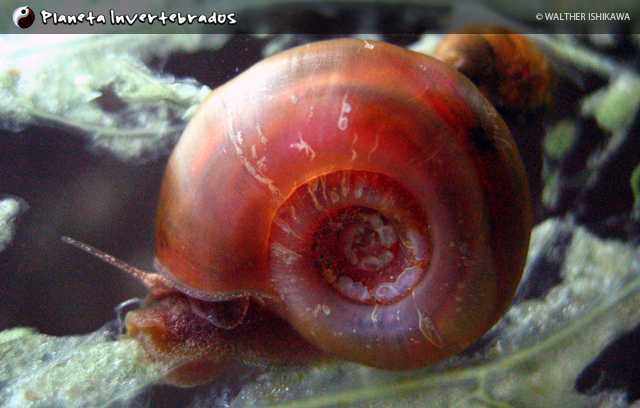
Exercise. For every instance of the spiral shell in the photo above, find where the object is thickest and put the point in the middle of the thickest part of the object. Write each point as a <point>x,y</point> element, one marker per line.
<point>371,195</point>
<point>506,66</point>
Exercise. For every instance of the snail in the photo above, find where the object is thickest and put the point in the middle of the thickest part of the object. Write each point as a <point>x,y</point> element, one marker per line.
<point>345,199</point>
<point>506,66</point>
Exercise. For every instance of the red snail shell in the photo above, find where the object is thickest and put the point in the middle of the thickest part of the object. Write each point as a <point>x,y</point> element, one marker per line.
<point>508,68</point>
<point>370,195</point>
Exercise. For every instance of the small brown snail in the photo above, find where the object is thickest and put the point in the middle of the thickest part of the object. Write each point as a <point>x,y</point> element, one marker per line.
<point>346,199</point>
<point>507,67</point>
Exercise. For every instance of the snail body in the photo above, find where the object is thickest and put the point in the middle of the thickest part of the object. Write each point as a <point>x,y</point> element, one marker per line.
<point>368,196</point>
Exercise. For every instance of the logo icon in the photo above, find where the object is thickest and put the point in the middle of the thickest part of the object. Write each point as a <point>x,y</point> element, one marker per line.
<point>23,17</point>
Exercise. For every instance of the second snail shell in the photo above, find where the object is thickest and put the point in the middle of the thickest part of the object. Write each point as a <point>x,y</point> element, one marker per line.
<point>368,194</point>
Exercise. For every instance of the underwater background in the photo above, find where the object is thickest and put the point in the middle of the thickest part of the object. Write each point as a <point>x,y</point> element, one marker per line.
<point>87,124</point>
